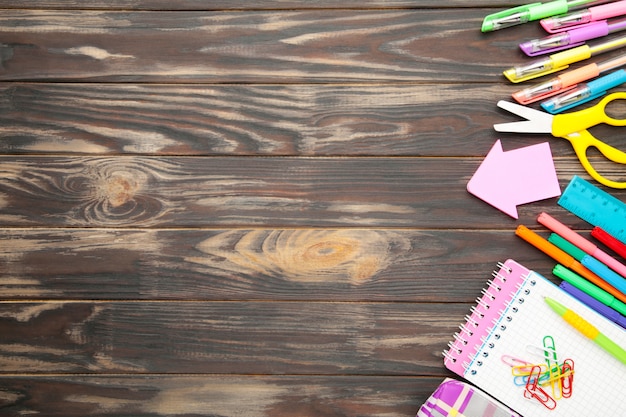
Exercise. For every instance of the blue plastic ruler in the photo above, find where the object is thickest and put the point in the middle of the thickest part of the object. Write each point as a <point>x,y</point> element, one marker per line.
<point>596,207</point>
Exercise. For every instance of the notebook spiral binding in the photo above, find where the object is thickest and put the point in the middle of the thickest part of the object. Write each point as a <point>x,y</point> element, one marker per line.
<point>484,316</point>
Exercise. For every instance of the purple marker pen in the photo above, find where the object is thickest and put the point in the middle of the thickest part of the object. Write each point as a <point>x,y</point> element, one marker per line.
<point>572,38</point>
<point>594,304</point>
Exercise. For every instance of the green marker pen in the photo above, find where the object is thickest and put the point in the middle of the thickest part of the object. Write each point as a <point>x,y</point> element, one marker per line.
<point>586,286</point>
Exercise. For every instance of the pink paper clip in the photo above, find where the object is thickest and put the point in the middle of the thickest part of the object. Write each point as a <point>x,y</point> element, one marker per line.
<point>513,361</point>
<point>567,381</point>
<point>533,390</point>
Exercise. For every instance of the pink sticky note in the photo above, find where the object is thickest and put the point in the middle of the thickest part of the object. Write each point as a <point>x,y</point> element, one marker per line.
<point>508,179</point>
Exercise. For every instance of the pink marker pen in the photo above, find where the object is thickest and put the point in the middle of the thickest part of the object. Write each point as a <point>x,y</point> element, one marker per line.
<point>592,14</point>
<point>582,243</point>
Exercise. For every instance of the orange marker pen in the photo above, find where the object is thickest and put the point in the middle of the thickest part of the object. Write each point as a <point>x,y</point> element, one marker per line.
<point>566,260</point>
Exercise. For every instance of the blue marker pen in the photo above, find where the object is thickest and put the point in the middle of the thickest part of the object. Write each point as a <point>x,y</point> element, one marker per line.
<point>604,272</point>
<point>584,92</point>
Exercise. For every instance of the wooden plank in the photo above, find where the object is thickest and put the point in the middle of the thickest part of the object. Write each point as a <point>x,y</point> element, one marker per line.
<point>244,4</point>
<point>327,120</point>
<point>255,47</point>
<point>223,395</point>
<point>274,192</point>
<point>256,264</point>
<point>227,337</point>
<point>234,119</point>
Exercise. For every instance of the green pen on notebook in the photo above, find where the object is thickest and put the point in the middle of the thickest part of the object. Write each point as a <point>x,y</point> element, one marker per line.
<point>587,329</point>
<point>589,288</point>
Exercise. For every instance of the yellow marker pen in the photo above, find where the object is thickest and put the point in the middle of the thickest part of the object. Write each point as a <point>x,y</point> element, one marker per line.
<point>561,60</point>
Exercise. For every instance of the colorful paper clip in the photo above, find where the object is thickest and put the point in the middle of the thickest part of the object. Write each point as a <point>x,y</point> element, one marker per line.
<point>567,381</point>
<point>540,351</point>
<point>535,376</point>
<point>533,390</point>
<point>521,373</point>
<point>513,361</point>
<point>554,369</point>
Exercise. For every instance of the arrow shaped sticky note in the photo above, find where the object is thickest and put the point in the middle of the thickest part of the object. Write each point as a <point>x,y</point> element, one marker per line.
<point>508,179</point>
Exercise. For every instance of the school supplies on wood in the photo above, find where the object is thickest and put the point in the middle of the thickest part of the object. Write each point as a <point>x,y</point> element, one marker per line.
<point>561,60</point>
<point>567,80</point>
<point>580,242</point>
<point>573,127</point>
<point>517,349</point>
<point>457,398</point>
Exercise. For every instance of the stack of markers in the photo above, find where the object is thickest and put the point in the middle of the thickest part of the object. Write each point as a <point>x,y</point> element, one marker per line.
<point>593,276</point>
<point>570,24</point>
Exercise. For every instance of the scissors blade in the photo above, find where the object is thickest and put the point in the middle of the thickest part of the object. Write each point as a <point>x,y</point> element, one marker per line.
<point>536,121</point>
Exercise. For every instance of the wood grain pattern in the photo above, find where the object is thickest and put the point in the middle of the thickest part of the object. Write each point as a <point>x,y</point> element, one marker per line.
<point>247,120</point>
<point>359,265</point>
<point>195,192</point>
<point>310,46</point>
<point>227,337</point>
<point>224,395</point>
<point>244,4</point>
<point>311,120</point>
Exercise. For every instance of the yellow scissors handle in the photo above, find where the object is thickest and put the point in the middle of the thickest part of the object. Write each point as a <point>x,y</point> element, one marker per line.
<point>583,140</point>
<point>568,123</point>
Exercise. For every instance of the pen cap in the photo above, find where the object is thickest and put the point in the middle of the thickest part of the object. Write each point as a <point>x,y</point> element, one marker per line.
<point>562,23</point>
<point>507,18</point>
<point>585,92</point>
<point>590,31</point>
<point>614,244</point>
<point>551,8</point>
<point>523,14</point>
<point>606,11</point>
<point>573,77</point>
<point>565,40</point>
<point>566,246</point>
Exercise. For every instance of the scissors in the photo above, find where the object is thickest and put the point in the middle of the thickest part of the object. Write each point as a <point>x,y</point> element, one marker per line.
<point>573,127</point>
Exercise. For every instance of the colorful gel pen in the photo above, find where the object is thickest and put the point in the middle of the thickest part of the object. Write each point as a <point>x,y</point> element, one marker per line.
<point>567,80</point>
<point>592,14</point>
<point>587,329</point>
<point>572,38</point>
<point>534,11</point>
<point>593,304</point>
<point>565,259</point>
<point>585,245</point>
<point>561,60</point>
<point>611,242</point>
<point>589,288</point>
<point>589,262</point>
<point>584,93</point>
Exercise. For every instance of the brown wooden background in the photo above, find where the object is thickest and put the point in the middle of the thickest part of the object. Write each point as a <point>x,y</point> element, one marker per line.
<point>247,208</point>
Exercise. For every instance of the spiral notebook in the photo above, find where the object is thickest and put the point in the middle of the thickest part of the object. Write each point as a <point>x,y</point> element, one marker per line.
<point>515,348</point>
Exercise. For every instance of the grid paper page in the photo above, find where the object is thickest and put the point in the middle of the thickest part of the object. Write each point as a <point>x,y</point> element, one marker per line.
<point>598,377</point>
